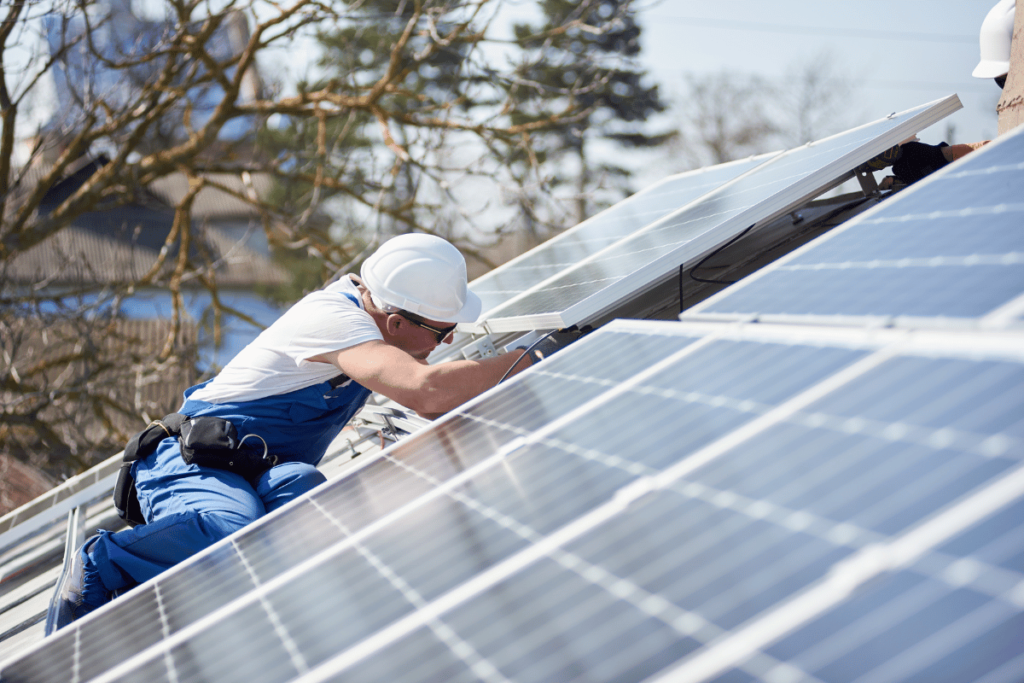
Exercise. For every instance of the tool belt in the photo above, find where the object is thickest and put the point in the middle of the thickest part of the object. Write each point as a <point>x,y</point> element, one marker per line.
<point>205,440</point>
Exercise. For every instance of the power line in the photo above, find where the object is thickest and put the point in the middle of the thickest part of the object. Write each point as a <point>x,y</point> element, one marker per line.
<point>980,86</point>
<point>821,30</point>
<point>973,85</point>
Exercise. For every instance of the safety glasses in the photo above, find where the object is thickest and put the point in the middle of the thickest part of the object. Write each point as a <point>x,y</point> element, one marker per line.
<point>440,334</point>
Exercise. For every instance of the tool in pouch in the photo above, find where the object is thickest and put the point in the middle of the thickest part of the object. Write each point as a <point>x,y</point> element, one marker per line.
<point>205,440</point>
<point>213,442</point>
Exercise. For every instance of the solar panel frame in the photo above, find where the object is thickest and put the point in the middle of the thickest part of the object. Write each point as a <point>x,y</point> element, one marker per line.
<point>664,265</point>
<point>771,284</point>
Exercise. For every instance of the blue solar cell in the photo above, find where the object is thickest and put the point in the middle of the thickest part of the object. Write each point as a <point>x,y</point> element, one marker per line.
<point>452,544</point>
<point>350,599</point>
<point>711,561</point>
<point>894,628</point>
<point>567,628</point>
<point>422,650</point>
<point>703,397</point>
<point>958,292</point>
<point>249,630</point>
<point>544,488</point>
<point>614,357</point>
<point>979,397</point>
<point>991,541</point>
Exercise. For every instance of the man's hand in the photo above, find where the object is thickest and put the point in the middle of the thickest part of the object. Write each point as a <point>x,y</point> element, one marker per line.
<point>918,160</point>
<point>551,344</point>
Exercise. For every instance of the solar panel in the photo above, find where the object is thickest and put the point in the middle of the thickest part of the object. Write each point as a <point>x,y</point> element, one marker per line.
<point>640,260</point>
<point>782,553</point>
<point>591,236</point>
<point>606,228</point>
<point>948,247</point>
<point>529,538</point>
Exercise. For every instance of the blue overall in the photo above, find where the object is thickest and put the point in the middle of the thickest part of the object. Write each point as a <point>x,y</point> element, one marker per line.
<point>190,507</point>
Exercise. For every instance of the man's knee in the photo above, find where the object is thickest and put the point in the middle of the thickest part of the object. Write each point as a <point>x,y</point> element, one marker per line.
<point>297,477</point>
<point>286,482</point>
<point>218,525</point>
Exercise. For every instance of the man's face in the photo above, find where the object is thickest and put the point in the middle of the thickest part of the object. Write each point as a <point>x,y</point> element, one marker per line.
<point>418,336</point>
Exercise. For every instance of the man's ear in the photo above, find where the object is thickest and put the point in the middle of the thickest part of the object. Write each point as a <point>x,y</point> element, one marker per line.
<point>393,323</point>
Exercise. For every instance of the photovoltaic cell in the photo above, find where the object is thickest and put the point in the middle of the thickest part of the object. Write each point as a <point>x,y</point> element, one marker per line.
<point>947,247</point>
<point>686,236</point>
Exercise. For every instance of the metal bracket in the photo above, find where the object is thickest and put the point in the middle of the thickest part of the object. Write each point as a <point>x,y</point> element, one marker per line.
<point>480,348</point>
<point>867,182</point>
<point>74,539</point>
<point>525,340</point>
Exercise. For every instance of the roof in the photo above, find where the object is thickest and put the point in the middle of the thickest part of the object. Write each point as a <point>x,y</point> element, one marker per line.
<point>20,483</point>
<point>213,203</point>
<point>121,244</point>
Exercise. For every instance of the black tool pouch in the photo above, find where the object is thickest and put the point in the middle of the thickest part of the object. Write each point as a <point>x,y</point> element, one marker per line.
<point>125,499</point>
<point>213,442</point>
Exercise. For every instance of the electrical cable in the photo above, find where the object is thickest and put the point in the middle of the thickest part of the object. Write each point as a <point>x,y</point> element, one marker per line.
<point>836,31</point>
<point>715,253</point>
<point>681,307</point>
<point>823,219</point>
<point>530,348</point>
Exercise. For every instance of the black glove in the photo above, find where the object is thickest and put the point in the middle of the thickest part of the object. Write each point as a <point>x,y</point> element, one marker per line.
<point>918,160</point>
<point>548,347</point>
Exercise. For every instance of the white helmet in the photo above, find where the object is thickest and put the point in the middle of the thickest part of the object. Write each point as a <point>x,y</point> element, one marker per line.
<point>996,34</point>
<point>424,275</point>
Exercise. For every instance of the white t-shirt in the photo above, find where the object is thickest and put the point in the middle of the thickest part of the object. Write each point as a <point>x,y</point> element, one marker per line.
<point>275,362</point>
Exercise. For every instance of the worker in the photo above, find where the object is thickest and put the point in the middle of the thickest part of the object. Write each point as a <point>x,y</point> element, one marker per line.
<point>913,160</point>
<point>283,399</point>
<point>995,39</point>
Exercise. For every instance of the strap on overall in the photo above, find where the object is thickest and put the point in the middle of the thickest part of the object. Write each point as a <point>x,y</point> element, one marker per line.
<point>142,445</point>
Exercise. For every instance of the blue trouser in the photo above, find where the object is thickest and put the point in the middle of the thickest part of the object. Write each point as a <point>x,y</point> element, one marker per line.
<point>189,507</point>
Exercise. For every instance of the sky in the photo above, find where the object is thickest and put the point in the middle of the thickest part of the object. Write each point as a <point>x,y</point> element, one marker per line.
<point>899,53</point>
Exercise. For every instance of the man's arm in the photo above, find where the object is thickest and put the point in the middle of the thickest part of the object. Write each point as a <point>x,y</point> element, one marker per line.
<point>426,389</point>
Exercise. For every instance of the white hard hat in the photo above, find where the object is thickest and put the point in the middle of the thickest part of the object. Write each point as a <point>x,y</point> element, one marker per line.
<point>424,275</point>
<point>996,34</point>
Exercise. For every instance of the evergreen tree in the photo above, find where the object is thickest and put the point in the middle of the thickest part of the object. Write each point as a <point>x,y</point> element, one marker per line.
<point>419,51</point>
<point>583,71</point>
